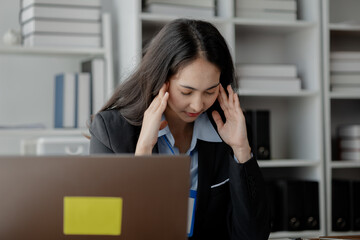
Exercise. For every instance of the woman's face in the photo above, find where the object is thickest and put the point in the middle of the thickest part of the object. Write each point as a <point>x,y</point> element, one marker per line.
<point>193,89</point>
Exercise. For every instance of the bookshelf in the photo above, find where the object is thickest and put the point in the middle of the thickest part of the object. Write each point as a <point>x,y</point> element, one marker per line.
<point>27,107</point>
<point>296,117</point>
<point>341,32</point>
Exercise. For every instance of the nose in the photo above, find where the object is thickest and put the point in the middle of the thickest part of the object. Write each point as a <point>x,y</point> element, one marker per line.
<point>197,104</point>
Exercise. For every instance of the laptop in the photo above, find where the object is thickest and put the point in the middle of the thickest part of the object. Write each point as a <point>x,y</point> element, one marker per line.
<point>94,197</point>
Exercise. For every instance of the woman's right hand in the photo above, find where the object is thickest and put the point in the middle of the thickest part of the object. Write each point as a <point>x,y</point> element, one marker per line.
<point>152,123</point>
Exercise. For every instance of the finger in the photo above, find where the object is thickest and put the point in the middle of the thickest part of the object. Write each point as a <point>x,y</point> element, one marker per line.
<point>163,102</point>
<point>162,90</point>
<point>156,102</point>
<point>222,93</point>
<point>223,98</point>
<point>231,96</point>
<point>217,119</point>
<point>237,101</point>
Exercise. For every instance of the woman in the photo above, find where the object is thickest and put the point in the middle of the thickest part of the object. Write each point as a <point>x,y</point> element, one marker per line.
<point>179,100</point>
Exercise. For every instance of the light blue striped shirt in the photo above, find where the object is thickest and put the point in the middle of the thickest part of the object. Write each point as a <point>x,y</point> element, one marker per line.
<point>203,130</point>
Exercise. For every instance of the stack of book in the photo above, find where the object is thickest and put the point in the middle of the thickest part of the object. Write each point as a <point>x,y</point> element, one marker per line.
<point>349,142</point>
<point>345,71</point>
<point>188,8</point>
<point>270,77</point>
<point>283,10</point>
<point>61,23</point>
<point>72,100</point>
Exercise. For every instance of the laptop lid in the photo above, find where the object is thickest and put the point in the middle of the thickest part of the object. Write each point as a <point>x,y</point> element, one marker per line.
<point>94,197</point>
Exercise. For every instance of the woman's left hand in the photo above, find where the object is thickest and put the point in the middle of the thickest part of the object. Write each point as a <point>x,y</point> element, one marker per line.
<point>233,131</point>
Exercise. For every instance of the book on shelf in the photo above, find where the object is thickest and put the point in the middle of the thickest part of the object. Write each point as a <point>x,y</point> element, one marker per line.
<point>350,143</point>
<point>349,131</point>
<point>345,66</point>
<point>72,100</point>
<point>60,12</point>
<point>270,84</point>
<point>348,88</point>
<point>266,14</point>
<point>191,3</point>
<point>84,99</point>
<point>277,5</point>
<point>345,79</point>
<point>345,55</point>
<point>96,68</point>
<point>87,3</point>
<point>266,70</point>
<point>65,97</point>
<point>59,40</point>
<point>180,10</point>
<point>350,155</point>
<point>58,26</point>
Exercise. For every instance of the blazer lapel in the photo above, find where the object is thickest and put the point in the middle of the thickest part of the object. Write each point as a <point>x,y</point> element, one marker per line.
<point>206,162</point>
<point>155,149</point>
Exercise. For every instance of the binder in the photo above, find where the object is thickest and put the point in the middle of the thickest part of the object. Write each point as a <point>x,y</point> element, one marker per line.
<point>292,204</point>
<point>340,205</point>
<point>310,193</point>
<point>262,134</point>
<point>275,206</point>
<point>355,205</point>
<point>258,130</point>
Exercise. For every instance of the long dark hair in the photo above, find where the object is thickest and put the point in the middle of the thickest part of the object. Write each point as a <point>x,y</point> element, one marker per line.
<point>177,44</point>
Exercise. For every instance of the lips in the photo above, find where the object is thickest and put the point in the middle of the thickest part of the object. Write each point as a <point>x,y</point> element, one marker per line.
<point>193,114</point>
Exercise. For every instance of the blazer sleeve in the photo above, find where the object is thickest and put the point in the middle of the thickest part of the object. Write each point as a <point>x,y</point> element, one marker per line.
<point>250,215</point>
<point>99,142</point>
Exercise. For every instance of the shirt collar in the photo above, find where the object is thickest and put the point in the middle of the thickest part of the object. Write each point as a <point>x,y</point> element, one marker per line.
<point>203,130</point>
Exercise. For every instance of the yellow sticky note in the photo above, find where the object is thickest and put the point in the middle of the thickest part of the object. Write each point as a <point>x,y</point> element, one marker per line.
<point>92,215</point>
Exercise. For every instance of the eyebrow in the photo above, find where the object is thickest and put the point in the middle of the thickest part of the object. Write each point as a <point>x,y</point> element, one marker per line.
<point>191,88</point>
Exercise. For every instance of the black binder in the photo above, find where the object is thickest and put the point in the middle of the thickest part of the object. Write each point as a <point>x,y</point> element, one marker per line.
<point>310,218</point>
<point>292,204</point>
<point>340,205</point>
<point>258,131</point>
<point>355,205</point>
<point>275,206</point>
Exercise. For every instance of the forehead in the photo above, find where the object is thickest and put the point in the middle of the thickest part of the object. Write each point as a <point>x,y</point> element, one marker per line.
<point>198,73</point>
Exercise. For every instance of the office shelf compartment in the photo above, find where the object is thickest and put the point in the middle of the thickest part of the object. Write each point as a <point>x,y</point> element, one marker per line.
<point>294,125</point>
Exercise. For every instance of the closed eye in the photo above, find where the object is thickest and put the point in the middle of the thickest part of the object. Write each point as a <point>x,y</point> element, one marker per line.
<point>186,93</point>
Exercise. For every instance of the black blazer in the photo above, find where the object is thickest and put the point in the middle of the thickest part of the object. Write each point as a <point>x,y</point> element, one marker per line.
<point>237,209</point>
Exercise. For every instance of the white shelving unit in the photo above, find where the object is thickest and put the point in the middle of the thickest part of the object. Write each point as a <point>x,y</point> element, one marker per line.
<point>341,32</point>
<point>43,108</point>
<point>296,117</point>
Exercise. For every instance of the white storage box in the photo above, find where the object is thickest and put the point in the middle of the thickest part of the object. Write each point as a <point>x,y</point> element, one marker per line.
<point>56,146</point>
